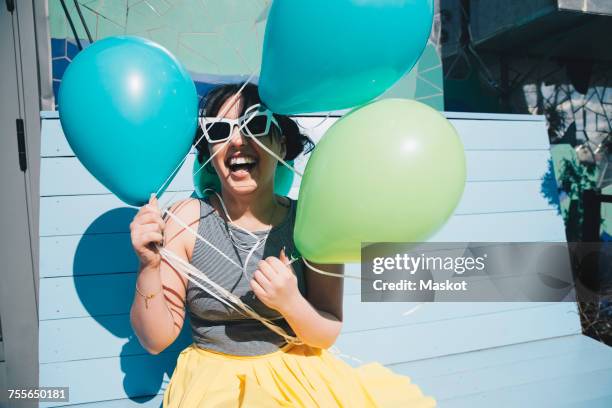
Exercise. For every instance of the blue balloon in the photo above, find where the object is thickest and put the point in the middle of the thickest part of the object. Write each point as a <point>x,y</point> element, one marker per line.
<point>204,178</point>
<point>322,55</point>
<point>283,178</point>
<point>128,109</point>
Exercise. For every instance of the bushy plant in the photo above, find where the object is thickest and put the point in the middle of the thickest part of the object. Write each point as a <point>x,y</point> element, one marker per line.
<point>574,179</point>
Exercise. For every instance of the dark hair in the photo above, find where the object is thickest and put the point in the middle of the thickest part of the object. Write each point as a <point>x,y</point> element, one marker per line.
<point>210,105</point>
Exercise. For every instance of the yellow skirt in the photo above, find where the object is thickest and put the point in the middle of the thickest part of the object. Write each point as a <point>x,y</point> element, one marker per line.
<point>294,376</point>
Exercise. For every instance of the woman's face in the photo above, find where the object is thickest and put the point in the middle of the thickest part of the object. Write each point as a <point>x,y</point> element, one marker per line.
<point>242,165</point>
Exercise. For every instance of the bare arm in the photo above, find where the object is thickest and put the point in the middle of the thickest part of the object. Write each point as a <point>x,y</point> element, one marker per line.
<point>158,321</point>
<point>317,319</point>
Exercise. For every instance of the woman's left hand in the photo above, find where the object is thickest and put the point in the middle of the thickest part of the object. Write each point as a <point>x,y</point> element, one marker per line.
<point>274,282</point>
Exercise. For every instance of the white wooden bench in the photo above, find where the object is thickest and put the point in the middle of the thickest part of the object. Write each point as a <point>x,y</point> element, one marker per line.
<point>464,354</point>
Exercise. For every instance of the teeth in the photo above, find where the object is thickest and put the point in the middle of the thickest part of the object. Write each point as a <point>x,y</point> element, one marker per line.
<point>241,160</point>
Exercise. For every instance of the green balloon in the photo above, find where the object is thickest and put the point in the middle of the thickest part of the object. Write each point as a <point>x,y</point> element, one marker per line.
<point>208,178</point>
<point>391,171</point>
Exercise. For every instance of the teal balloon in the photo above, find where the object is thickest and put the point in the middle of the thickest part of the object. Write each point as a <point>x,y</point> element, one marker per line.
<point>321,55</point>
<point>208,178</point>
<point>203,178</point>
<point>391,171</point>
<point>128,109</point>
<point>283,179</point>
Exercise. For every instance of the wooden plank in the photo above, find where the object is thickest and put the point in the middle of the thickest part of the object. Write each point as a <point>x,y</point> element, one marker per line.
<point>106,214</point>
<point>496,329</point>
<point>76,255</point>
<point>603,402</point>
<point>457,364</point>
<point>143,373</point>
<point>88,295</point>
<point>495,116</point>
<point>140,402</point>
<point>49,115</point>
<point>448,115</point>
<point>506,165</point>
<point>90,214</point>
<point>53,141</point>
<point>124,260</point>
<point>489,372</point>
<point>533,361</point>
<point>526,373</point>
<point>110,378</point>
<point>495,197</point>
<point>71,255</point>
<point>484,196</point>
<point>502,135</point>
<point>533,226</point>
<point>91,295</point>
<point>558,391</point>
<point>514,143</point>
<point>482,165</point>
<point>106,335</point>
<point>102,336</point>
<point>54,170</point>
<point>481,131</point>
<point>366,316</point>
<point>58,252</point>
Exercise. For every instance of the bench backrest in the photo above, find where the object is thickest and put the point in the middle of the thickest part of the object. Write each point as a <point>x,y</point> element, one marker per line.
<point>87,267</point>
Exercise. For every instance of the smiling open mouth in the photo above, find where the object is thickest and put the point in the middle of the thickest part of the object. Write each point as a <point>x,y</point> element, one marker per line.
<point>241,163</point>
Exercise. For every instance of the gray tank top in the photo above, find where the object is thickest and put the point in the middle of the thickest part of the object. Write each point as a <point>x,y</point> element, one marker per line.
<point>216,326</point>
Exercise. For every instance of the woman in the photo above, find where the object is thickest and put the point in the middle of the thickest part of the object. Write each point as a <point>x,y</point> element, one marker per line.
<point>236,360</point>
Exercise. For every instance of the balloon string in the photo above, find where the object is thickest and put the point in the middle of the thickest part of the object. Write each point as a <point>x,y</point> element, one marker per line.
<point>315,126</point>
<point>225,211</point>
<point>201,238</point>
<point>277,157</point>
<point>243,268</point>
<point>188,269</point>
<point>258,242</point>
<point>336,275</point>
<point>198,236</point>
<point>168,255</point>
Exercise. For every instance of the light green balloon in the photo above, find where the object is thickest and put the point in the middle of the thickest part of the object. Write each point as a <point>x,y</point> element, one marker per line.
<point>390,171</point>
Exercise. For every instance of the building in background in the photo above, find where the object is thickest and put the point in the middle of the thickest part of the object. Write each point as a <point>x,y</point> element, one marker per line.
<point>218,41</point>
<point>552,58</point>
<point>547,57</point>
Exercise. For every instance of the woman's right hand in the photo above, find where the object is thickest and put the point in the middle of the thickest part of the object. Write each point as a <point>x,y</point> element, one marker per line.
<point>146,230</point>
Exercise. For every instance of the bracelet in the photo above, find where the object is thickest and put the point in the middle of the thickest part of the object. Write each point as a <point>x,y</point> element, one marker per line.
<point>148,297</point>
